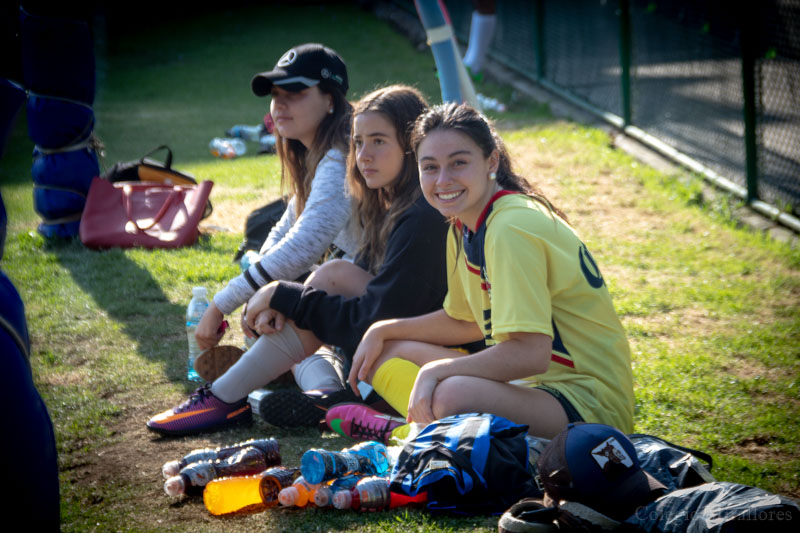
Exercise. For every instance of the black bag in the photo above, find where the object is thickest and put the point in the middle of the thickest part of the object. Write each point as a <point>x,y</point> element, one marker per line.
<point>717,507</point>
<point>258,225</point>
<point>676,467</point>
<point>469,464</point>
<point>145,169</point>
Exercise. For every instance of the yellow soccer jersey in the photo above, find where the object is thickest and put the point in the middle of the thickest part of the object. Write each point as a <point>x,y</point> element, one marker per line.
<point>526,270</point>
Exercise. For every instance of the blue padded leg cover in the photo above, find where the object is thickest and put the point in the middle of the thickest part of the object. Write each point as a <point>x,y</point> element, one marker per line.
<point>29,445</point>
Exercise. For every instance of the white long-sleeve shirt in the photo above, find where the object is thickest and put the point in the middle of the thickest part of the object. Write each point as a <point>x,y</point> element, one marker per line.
<point>297,242</point>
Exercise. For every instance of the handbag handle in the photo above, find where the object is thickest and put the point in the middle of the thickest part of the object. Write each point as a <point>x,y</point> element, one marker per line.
<point>161,212</point>
<point>167,160</point>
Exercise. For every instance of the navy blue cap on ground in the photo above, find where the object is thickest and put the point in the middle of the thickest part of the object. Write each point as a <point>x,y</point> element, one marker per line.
<point>596,465</point>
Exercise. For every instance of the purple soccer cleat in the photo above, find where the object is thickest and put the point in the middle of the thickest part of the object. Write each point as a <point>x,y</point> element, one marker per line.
<point>202,412</point>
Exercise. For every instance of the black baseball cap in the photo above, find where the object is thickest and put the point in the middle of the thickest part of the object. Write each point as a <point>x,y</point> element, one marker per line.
<point>597,465</point>
<point>304,66</point>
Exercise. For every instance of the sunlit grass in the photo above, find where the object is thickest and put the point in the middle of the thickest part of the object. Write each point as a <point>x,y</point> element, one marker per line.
<point>712,311</point>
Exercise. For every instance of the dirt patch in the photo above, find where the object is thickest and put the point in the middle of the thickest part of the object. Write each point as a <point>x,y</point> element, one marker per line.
<point>134,460</point>
<point>761,449</point>
<point>230,219</point>
<point>669,326</point>
<point>745,368</point>
<point>607,204</point>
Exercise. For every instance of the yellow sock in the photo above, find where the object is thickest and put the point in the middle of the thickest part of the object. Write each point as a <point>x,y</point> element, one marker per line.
<point>394,380</point>
<point>401,432</point>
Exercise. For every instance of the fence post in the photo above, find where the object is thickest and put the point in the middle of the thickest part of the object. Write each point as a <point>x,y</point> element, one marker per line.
<point>538,38</point>
<point>748,52</point>
<point>624,13</point>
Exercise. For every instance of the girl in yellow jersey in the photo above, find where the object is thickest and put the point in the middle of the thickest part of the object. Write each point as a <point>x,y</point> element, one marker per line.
<point>520,279</point>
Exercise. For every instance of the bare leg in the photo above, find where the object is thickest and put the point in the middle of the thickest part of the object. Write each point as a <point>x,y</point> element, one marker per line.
<point>543,414</point>
<point>464,394</point>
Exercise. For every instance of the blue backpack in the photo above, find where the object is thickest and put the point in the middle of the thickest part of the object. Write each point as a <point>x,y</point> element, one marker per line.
<point>470,464</point>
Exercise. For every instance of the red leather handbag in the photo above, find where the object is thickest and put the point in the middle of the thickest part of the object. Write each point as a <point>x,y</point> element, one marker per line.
<point>150,215</point>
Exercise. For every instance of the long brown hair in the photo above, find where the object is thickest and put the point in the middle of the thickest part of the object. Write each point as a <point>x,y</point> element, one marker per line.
<point>472,123</point>
<point>468,121</point>
<point>299,162</point>
<point>377,210</point>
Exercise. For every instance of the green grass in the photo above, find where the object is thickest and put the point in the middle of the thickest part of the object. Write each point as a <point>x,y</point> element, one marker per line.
<point>711,310</point>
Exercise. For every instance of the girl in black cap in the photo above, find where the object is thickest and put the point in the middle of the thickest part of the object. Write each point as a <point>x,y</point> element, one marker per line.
<point>312,118</point>
<point>312,121</point>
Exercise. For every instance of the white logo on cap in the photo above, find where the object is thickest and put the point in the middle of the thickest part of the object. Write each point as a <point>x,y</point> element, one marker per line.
<point>325,73</point>
<point>287,59</point>
<point>611,450</point>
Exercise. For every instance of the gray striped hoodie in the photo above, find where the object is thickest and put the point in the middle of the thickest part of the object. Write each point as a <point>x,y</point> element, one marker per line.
<point>297,242</point>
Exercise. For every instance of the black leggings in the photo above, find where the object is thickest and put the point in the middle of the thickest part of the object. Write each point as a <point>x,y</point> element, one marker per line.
<point>572,414</point>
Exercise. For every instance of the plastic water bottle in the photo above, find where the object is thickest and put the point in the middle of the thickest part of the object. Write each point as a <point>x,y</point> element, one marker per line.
<point>373,494</point>
<point>300,494</point>
<point>493,104</point>
<point>248,494</point>
<point>227,148</point>
<point>270,448</point>
<point>248,133</point>
<point>366,458</point>
<point>194,313</point>
<point>323,497</point>
<point>267,143</point>
<point>246,461</point>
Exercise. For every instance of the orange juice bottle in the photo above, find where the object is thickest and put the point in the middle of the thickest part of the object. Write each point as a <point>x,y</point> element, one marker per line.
<point>248,494</point>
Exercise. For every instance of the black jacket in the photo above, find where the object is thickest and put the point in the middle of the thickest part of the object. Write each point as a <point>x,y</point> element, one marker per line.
<point>412,281</point>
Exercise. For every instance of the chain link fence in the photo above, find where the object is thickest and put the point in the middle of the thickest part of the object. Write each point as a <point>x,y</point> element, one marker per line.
<point>778,103</point>
<point>677,69</point>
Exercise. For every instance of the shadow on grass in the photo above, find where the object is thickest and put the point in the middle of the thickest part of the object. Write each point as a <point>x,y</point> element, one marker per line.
<point>129,295</point>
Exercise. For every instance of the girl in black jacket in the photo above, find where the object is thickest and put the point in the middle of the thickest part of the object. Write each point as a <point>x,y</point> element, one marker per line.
<point>399,272</point>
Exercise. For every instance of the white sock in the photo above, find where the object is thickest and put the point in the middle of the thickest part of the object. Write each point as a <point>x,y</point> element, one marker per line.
<point>481,32</point>
<point>320,371</point>
<point>268,358</point>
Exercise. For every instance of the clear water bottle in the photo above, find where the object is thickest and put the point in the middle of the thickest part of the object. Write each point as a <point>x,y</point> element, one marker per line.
<point>227,148</point>
<point>365,458</point>
<point>489,103</point>
<point>194,313</point>
<point>248,133</point>
<point>267,143</point>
